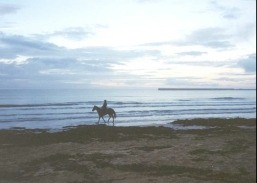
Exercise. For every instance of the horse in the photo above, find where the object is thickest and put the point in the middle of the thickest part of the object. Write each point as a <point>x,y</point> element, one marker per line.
<point>108,111</point>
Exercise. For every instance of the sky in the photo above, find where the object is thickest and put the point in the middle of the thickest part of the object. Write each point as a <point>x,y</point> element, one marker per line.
<point>70,44</point>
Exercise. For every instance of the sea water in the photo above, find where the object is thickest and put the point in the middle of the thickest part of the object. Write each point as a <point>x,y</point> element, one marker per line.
<point>56,109</point>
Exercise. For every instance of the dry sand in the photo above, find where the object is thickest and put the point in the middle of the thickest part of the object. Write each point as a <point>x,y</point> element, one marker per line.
<point>98,153</point>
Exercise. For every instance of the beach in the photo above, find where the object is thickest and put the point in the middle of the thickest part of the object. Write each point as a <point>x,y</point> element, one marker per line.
<point>222,150</point>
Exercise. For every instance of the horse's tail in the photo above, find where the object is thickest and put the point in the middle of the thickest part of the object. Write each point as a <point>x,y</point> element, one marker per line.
<point>114,114</point>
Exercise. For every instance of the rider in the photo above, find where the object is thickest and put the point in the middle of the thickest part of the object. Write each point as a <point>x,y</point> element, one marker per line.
<point>104,107</point>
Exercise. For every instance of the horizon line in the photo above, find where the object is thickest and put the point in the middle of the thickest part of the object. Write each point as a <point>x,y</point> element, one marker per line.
<point>206,88</point>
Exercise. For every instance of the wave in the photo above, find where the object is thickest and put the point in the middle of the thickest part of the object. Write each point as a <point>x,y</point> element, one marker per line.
<point>189,110</point>
<point>228,98</point>
<point>81,111</point>
<point>50,115</point>
<point>46,119</point>
<point>122,103</point>
<point>37,105</point>
<point>122,117</point>
<point>182,102</point>
<point>65,104</point>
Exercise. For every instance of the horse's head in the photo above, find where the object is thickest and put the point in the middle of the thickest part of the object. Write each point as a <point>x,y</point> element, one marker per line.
<point>94,108</point>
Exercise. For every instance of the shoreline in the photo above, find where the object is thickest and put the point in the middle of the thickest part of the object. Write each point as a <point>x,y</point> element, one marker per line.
<point>193,123</point>
<point>100,153</point>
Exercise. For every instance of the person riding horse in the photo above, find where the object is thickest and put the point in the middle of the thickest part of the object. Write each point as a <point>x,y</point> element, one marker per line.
<point>103,111</point>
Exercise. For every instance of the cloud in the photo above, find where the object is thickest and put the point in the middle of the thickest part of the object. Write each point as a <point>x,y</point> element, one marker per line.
<point>188,82</point>
<point>13,45</point>
<point>8,9</point>
<point>51,73</point>
<point>6,25</point>
<point>147,1</point>
<point>191,53</point>
<point>246,32</point>
<point>226,12</point>
<point>57,71</point>
<point>212,37</point>
<point>29,63</point>
<point>244,81</point>
<point>73,33</point>
<point>18,60</point>
<point>249,63</point>
<point>227,79</point>
<point>76,33</point>
<point>27,60</point>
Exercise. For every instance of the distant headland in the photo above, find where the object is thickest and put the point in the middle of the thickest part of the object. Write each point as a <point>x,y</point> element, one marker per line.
<point>206,89</point>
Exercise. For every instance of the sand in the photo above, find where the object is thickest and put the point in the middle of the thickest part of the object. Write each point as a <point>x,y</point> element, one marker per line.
<point>224,151</point>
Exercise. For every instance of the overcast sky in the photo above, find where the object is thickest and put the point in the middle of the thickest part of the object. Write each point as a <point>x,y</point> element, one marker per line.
<point>127,43</point>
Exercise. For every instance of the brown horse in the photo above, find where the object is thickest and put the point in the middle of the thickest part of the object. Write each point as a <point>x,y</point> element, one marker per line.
<point>108,111</point>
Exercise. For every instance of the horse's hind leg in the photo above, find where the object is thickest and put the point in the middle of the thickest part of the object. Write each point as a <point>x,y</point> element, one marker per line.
<point>109,118</point>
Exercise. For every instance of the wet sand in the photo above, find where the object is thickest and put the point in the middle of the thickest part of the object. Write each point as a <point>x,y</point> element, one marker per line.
<point>224,151</point>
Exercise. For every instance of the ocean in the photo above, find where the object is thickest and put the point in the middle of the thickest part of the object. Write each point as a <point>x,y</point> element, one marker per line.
<point>55,109</point>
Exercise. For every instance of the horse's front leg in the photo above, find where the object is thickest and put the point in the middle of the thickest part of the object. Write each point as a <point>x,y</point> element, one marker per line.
<point>103,119</point>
